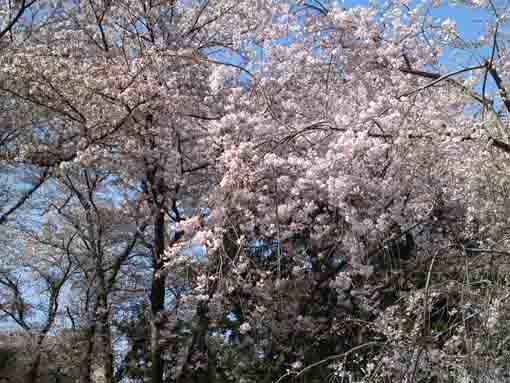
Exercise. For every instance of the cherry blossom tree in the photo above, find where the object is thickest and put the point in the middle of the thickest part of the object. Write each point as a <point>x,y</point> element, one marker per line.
<point>354,158</point>
<point>317,190</point>
<point>116,85</point>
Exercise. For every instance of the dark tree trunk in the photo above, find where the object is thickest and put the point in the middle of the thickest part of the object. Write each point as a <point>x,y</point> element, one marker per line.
<point>86,360</point>
<point>33,372</point>
<point>157,298</point>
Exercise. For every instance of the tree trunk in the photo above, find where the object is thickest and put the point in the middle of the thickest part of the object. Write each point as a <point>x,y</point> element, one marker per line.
<point>86,360</point>
<point>198,350</point>
<point>103,372</point>
<point>33,372</point>
<point>157,298</point>
<point>104,364</point>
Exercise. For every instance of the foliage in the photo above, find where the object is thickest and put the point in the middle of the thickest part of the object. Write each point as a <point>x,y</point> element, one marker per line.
<point>252,191</point>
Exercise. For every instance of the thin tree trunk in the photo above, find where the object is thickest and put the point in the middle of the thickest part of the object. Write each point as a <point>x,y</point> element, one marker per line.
<point>103,372</point>
<point>199,347</point>
<point>157,298</point>
<point>86,361</point>
<point>32,376</point>
<point>103,332</point>
<point>104,369</point>
<point>33,372</point>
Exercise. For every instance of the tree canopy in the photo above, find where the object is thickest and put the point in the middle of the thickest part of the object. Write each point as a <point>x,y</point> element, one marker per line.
<point>253,191</point>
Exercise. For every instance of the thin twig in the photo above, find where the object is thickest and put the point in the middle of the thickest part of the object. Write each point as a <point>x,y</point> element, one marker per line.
<point>442,78</point>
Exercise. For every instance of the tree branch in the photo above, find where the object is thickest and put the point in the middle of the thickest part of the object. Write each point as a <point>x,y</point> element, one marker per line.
<point>24,198</point>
